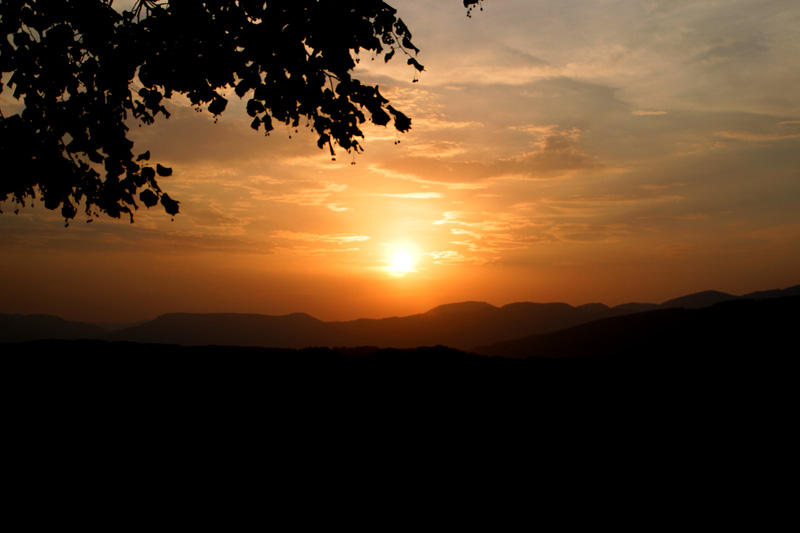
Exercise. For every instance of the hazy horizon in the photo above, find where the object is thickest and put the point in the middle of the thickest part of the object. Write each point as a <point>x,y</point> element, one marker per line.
<point>338,318</point>
<point>578,152</point>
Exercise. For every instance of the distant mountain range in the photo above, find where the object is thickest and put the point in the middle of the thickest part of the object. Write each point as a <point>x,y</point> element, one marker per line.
<point>20,328</point>
<point>733,330</point>
<point>514,330</point>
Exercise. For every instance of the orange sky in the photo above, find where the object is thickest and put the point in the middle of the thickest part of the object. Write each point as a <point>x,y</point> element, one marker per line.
<point>572,151</point>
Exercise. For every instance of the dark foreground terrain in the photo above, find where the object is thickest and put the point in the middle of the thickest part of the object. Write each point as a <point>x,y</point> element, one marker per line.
<point>656,375</point>
<point>151,417</point>
<point>143,373</point>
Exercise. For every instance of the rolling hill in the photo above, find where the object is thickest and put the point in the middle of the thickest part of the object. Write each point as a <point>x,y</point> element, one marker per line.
<point>463,325</point>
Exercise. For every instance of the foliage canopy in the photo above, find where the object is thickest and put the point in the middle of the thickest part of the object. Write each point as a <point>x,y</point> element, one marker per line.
<point>81,69</point>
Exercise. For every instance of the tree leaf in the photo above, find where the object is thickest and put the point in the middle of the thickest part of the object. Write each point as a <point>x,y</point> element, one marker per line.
<point>217,106</point>
<point>407,44</point>
<point>170,205</point>
<point>412,61</point>
<point>401,122</point>
<point>148,198</point>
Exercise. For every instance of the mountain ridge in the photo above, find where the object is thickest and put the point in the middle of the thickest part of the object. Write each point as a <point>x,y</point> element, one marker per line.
<point>461,325</point>
<point>732,328</point>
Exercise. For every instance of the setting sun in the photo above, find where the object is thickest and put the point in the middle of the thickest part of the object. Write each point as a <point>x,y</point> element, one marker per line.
<point>403,261</point>
<point>400,262</point>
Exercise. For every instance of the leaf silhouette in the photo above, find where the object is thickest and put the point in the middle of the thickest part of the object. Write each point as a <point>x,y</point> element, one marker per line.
<point>73,67</point>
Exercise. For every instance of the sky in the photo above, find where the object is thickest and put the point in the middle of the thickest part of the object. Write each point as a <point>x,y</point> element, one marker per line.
<point>561,150</point>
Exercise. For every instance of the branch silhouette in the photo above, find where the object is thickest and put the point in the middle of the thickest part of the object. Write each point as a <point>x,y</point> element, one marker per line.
<point>81,69</point>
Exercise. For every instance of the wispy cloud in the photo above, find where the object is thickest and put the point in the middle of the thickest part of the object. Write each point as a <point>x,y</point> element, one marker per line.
<point>437,149</point>
<point>311,196</point>
<point>415,173</point>
<point>335,238</point>
<point>552,153</point>
<point>417,195</point>
<point>451,257</point>
<point>756,137</point>
<point>661,186</point>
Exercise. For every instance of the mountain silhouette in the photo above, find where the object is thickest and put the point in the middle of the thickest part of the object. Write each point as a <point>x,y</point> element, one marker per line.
<point>635,307</point>
<point>226,329</point>
<point>461,308</point>
<point>22,328</point>
<point>463,325</point>
<point>702,299</point>
<point>726,330</point>
<point>774,293</point>
<point>699,300</point>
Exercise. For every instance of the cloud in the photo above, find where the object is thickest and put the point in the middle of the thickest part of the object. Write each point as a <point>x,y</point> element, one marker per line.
<point>311,196</point>
<point>611,200</point>
<point>646,113</point>
<point>316,244</point>
<point>519,223</point>
<point>756,137</point>
<point>556,153</point>
<point>214,217</point>
<point>438,123</point>
<point>731,55</point>
<point>309,251</point>
<point>590,232</point>
<point>492,62</point>
<point>493,222</point>
<point>152,233</point>
<point>418,195</point>
<point>266,180</point>
<point>450,257</point>
<point>488,235</point>
<point>660,186</point>
<point>335,238</point>
<point>693,216</point>
<point>437,149</point>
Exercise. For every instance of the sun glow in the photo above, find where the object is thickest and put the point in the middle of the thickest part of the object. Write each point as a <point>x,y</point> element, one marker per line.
<point>400,262</point>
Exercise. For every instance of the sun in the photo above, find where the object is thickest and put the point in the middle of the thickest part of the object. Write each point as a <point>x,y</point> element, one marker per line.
<point>400,262</point>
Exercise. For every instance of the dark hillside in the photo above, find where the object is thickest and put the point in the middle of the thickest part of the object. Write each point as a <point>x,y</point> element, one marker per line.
<point>21,328</point>
<point>459,325</point>
<point>226,329</point>
<point>734,329</point>
<point>699,300</point>
<point>462,325</point>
